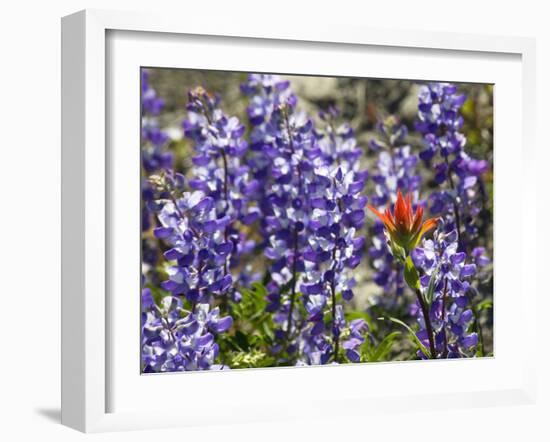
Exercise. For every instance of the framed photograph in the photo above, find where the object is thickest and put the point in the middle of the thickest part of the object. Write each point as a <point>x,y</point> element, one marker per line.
<point>289,223</point>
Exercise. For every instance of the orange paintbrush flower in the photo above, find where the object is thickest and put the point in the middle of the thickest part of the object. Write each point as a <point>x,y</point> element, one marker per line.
<point>404,228</point>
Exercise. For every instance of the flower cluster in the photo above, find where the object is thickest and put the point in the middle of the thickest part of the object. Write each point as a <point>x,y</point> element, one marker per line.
<point>200,226</point>
<point>221,172</point>
<point>334,248</point>
<point>266,95</point>
<point>174,339</point>
<point>281,147</point>
<point>438,273</point>
<point>447,273</point>
<point>312,210</point>
<point>317,348</point>
<point>287,213</point>
<point>337,142</point>
<point>463,192</point>
<point>199,247</point>
<point>459,199</point>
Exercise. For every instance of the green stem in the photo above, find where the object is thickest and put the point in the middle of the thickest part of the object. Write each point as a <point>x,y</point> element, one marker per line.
<point>445,349</point>
<point>293,291</point>
<point>477,324</point>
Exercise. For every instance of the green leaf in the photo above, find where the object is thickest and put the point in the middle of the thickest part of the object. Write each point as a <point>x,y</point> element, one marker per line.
<point>253,359</point>
<point>411,274</point>
<point>398,252</point>
<point>484,305</point>
<point>259,289</point>
<point>384,347</point>
<point>241,340</point>
<point>268,331</point>
<point>431,287</point>
<point>413,336</point>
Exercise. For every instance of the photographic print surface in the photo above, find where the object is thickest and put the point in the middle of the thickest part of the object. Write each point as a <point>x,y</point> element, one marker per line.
<point>307,220</point>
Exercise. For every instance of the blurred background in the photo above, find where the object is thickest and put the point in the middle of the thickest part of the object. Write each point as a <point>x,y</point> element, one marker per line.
<point>362,101</point>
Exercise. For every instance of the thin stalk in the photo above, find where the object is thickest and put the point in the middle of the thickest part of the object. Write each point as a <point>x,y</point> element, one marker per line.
<point>429,330</point>
<point>335,337</point>
<point>226,199</point>
<point>293,290</point>
<point>199,281</point>
<point>445,349</point>
<point>224,302</point>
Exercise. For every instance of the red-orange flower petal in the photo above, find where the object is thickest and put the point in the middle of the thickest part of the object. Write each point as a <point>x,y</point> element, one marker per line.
<point>400,212</point>
<point>405,227</point>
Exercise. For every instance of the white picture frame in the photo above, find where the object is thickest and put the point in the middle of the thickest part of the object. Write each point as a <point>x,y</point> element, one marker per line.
<point>87,167</point>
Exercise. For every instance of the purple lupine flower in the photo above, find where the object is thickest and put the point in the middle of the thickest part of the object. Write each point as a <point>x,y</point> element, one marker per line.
<point>449,272</point>
<point>288,205</point>
<point>395,169</point>
<point>334,248</point>
<point>317,348</point>
<point>283,149</point>
<point>151,103</point>
<point>314,344</point>
<point>154,158</point>
<point>174,339</point>
<point>221,172</point>
<point>298,166</point>
<point>461,197</point>
<point>337,142</point>
<point>266,93</point>
<point>199,247</point>
<point>351,345</point>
